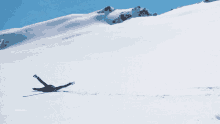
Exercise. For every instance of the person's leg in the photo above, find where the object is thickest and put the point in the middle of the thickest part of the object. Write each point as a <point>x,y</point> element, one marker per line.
<point>38,78</point>
<point>38,89</point>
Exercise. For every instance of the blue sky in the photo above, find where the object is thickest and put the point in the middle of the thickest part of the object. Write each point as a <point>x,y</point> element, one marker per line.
<point>19,13</point>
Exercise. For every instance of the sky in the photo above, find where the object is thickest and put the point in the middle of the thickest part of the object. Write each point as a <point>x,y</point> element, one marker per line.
<point>19,13</point>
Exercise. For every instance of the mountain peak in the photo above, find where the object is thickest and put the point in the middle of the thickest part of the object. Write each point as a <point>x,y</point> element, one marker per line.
<point>106,9</point>
<point>113,16</point>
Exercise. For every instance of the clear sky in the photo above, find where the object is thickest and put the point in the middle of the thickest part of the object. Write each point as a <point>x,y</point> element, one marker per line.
<point>19,13</point>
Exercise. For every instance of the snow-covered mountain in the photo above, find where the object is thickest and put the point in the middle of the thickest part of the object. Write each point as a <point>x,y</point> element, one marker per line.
<point>47,28</point>
<point>71,22</point>
<point>150,69</point>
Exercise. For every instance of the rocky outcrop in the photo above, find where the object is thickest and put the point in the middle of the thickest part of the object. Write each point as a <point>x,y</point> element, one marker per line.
<point>209,0</point>
<point>123,16</point>
<point>107,9</point>
<point>144,12</point>
<point>135,12</point>
<point>138,11</point>
<point>2,44</point>
<point>7,40</point>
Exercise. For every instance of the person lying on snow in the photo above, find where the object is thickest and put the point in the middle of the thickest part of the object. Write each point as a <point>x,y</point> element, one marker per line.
<point>49,88</point>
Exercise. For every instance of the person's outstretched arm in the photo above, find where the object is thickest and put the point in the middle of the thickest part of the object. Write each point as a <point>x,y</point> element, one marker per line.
<point>38,78</point>
<point>57,88</point>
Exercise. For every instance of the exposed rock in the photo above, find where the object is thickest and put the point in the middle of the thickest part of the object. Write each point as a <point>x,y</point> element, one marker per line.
<point>144,12</point>
<point>6,40</point>
<point>135,12</point>
<point>117,20</point>
<point>2,44</point>
<point>107,9</point>
<point>125,16</point>
<point>209,0</point>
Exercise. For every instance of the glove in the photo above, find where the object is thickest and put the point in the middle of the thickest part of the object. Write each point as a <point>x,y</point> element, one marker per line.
<point>35,76</point>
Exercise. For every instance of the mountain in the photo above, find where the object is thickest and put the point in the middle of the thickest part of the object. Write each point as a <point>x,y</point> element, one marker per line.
<point>150,69</point>
<point>47,28</point>
<point>63,24</point>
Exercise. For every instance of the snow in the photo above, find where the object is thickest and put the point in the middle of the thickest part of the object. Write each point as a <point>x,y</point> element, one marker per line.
<point>155,70</point>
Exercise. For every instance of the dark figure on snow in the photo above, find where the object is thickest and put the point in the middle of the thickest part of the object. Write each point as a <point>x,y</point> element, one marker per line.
<point>49,88</point>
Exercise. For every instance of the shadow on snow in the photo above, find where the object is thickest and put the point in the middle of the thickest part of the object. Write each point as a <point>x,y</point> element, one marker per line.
<point>42,93</point>
<point>79,93</point>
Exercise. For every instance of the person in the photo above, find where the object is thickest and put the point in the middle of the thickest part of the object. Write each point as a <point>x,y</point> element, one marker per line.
<point>49,88</point>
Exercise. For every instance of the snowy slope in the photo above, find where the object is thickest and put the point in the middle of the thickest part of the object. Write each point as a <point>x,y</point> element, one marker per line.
<point>48,28</point>
<point>158,69</point>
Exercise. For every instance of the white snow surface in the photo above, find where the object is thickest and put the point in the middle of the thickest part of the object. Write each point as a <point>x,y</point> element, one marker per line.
<point>147,70</point>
